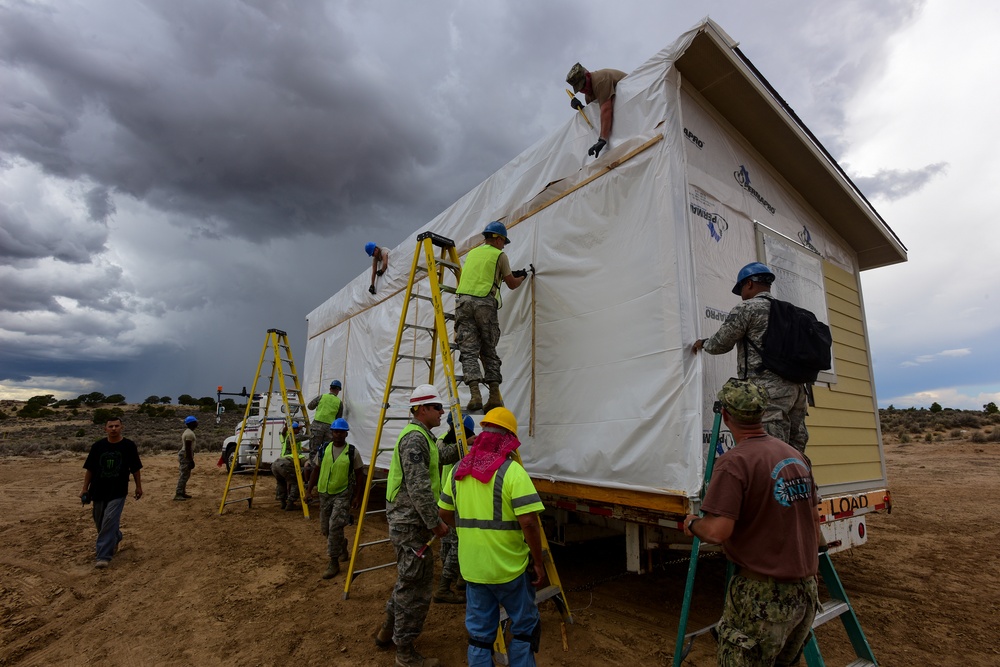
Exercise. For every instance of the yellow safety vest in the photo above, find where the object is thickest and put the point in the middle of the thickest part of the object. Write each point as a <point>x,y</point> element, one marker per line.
<point>395,480</point>
<point>479,271</point>
<point>327,409</point>
<point>334,474</point>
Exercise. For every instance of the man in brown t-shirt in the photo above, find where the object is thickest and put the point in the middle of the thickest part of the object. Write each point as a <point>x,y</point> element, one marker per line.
<point>599,85</point>
<point>761,505</point>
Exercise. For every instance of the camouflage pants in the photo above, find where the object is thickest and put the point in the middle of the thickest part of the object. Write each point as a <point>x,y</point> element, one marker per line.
<point>319,432</point>
<point>334,516</point>
<point>478,332</point>
<point>184,467</point>
<point>411,597</point>
<point>285,484</point>
<point>785,416</point>
<point>449,556</point>
<point>765,622</point>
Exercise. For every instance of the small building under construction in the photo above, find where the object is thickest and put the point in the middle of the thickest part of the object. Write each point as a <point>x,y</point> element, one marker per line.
<point>707,169</point>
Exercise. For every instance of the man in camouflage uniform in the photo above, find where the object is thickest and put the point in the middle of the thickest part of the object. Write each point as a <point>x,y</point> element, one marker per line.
<point>286,485</point>
<point>450,572</point>
<point>328,408</point>
<point>412,490</point>
<point>785,416</point>
<point>185,457</point>
<point>761,506</point>
<point>599,86</point>
<point>477,327</point>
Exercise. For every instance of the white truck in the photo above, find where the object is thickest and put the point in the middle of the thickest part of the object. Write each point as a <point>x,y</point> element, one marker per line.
<point>260,433</point>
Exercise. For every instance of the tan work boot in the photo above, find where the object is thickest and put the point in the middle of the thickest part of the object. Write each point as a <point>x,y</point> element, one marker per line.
<point>495,400</point>
<point>476,402</point>
<point>407,656</point>
<point>332,570</point>
<point>383,636</point>
<point>445,595</point>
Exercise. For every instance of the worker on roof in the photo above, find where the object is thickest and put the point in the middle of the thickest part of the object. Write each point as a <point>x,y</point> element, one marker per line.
<point>450,574</point>
<point>336,479</point>
<point>785,417</point>
<point>761,506</point>
<point>412,490</point>
<point>477,327</point>
<point>286,485</point>
<point>601,86</point>
<point>328,407</point>
<point>380,261</point>
<point>493,504</point>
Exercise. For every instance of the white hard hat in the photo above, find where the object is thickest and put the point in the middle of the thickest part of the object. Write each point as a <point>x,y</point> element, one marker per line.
<point>424,394</point>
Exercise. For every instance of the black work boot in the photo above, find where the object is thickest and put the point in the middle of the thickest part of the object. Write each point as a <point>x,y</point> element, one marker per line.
<point>383,636</point>
<point>407,656</point>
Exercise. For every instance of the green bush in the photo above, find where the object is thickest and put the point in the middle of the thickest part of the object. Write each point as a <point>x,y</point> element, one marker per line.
<point>978,437</point>
<point>80,433</point>
<point>991,408</point>
<point>151,399</point>
<point>117,399</point>
<point>956,433</point>
<point>994,436</point>
<point>102,415</point>
<point>165,400</point>
<point>904,437</point>
<point>928,437</point>
<point>35,407</point>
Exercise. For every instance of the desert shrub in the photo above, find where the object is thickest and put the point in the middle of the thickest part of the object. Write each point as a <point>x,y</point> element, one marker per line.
<point>80,433</point>
<point>187,399</point>
<point>935,407</point>
<point>165,400</point>
<point>928,437</point>
<point>151,399</point>
<point>955,433</point>
<point>117,399</point>
<point>207,401</point>
<point>904,436</point>
<point>36,407</point>
<point>991,408</point>
<point>916,429</point>
<point>978,436</point>
<point>994,436</point>
<point>93,398</point>
<point>3,415</point>
<point>101,415</point>
<point>157,411</point>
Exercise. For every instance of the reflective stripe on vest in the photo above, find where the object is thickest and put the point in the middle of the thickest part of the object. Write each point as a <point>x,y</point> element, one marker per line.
<point>334,474</point>
<point>395,479</point>
<point>479,271</point>
<point>327,409</point>
<point>497,522</point>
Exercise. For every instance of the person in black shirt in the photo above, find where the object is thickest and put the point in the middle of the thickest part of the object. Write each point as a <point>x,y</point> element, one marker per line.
<point>105,483</point>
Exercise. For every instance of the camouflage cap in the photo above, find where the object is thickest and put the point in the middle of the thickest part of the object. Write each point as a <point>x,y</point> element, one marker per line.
<point>744,400</point>
<point>577,77</point>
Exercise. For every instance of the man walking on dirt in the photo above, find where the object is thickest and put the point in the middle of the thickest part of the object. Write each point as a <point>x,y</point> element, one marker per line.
<point>185,457</point>
<point>105,483</point>
<point>328,408</point>
<point>599,85</point>
<point>286,485</point>
<point>477,327</point>
<point>761,506</point>
<point>412,490</point>
<point>785,417</point>
<point>493,504</point>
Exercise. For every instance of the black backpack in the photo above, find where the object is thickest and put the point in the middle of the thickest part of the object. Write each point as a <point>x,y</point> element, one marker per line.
<point>796,346</point>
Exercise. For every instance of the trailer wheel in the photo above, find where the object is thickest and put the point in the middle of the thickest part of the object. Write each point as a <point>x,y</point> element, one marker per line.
<point>228,456</point>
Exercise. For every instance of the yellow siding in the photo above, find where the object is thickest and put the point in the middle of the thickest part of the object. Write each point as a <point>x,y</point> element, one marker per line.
<point>843,435</point>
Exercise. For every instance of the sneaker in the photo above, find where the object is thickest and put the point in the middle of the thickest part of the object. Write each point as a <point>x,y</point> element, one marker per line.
<point>102,564</point>
<point>181,496</point>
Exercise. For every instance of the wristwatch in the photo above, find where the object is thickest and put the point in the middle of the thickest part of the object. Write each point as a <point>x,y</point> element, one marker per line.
<point>690,524</point>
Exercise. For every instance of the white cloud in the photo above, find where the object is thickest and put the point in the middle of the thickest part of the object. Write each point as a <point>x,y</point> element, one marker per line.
<point>960,398</point>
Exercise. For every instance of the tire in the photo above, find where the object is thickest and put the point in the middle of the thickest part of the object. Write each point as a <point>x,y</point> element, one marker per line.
<point>229,454</point>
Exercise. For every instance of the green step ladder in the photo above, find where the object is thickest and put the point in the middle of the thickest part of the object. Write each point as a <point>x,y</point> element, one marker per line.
<point>837,607</point>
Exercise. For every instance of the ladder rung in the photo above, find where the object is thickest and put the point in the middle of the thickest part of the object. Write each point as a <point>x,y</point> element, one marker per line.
<point>375,567</point>
<point>831,609</point>
<point>861,662</point>
<point>414,295</point>
<point>237,488</point>
<point>414,357</point>
<point>700,631</point>
<point>374,512</point>
<point>449,289</point>
<point>450,265</point>
<point>401,387</point>
<point>418,327</point>
<point>547,593</point>
<point>373,543</point>
<point>238,500</point>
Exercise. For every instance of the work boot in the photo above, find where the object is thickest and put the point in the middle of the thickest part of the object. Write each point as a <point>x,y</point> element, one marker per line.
<point>383,636</point>
<point>407,656</point>
<point>179,497</point>
<point>476,402</point>
<point>283,503</point>
<point>460,584</point>
<point>290,506</point>
<point>445,595</point>
<point>332,570</point>
<point>495,400</point>
<point>344,557</point>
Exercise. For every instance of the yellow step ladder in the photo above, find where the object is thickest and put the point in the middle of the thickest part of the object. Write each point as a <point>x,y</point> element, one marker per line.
<point>277,365</point>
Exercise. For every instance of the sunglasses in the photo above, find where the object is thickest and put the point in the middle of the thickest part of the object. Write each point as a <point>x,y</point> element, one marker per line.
<point>436,406</point>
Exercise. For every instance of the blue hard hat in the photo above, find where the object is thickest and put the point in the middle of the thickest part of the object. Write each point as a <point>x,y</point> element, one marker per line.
<point>748,271</point>
<point>470,423</point>
<point>370,248</point>
<point>295,425</point>
<point>498,228</point>
<point>191,420</point>
<point>336,384</point>
<point>340,425</point>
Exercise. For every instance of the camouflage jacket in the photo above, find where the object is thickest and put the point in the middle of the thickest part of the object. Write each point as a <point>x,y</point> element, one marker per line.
<point>748,319</point>
<point>415,503</point>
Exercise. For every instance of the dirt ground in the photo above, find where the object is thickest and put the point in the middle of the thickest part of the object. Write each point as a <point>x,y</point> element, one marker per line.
<point>192,587</point>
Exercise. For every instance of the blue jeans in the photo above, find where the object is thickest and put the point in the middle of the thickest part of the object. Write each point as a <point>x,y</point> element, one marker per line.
<point>482,617</point>
<point>107,518</point>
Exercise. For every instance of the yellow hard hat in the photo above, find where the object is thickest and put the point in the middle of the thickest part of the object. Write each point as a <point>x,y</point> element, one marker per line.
<point>501,417</point>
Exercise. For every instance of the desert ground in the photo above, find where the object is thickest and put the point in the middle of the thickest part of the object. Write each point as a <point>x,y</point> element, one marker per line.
<point>193,587</point>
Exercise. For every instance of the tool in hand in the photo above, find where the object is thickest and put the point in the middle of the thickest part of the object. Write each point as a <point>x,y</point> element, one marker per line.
<point>579,108</point>
<point>422,551</point>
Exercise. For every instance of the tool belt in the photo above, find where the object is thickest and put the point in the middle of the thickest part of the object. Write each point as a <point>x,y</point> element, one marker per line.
<point>747,573</point>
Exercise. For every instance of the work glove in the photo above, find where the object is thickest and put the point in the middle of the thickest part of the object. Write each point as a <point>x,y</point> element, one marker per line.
<point>520,273</point>
<point>380,272</point>
<point>372,289</point>
<point>596,149</point>
<point>576,104</point>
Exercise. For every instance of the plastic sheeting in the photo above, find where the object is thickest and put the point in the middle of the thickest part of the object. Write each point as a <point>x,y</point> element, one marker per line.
<point>626,281</point>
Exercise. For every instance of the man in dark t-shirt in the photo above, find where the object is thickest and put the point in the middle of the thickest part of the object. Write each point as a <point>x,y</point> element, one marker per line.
<point>105,483</point>
<point>761,505</point>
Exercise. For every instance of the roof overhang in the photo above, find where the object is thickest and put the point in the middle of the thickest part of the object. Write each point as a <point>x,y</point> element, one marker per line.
<point>726,79</point>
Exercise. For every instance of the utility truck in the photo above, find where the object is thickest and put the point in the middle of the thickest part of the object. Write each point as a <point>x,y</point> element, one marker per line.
<point>636,251</point>
<point>261,433</point>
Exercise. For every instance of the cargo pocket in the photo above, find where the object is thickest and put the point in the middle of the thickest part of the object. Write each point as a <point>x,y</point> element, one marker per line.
<point>736,647</point>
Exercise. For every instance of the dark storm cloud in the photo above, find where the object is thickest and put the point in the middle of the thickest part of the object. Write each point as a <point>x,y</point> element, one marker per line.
<point>30,235</point>
<point>100,205</point>
<point>99,290</point>
<point>255,120</point>
<point>895,184</point>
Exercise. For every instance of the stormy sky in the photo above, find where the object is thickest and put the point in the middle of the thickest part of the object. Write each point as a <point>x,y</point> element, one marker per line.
<point>178,176</point>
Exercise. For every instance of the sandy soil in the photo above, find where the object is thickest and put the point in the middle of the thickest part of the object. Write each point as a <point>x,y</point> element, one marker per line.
<point>191,587</point>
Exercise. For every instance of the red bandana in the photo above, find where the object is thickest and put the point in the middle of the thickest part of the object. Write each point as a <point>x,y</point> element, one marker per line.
<point>488,452</point>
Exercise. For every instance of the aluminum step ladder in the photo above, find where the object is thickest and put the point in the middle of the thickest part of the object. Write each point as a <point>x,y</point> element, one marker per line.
<point>279,365</point>
<point>422,337</point>
<point>837,607</point>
